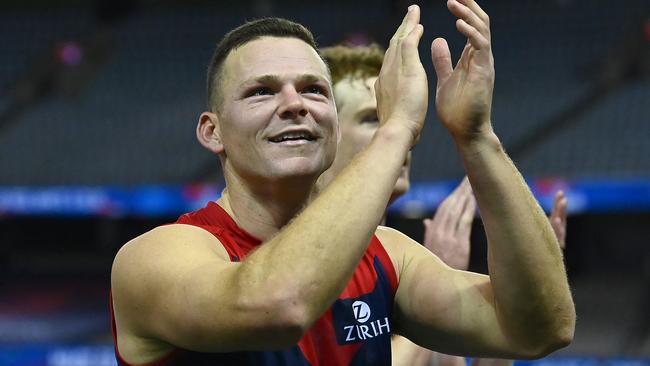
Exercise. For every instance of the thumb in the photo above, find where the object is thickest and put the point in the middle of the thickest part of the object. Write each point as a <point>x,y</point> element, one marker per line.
<point>441,58</point>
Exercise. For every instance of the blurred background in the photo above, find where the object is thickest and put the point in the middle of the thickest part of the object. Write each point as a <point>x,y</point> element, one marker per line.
<point>99,101</point>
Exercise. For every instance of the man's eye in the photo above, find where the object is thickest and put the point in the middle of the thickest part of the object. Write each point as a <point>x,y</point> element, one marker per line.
<point>371,118</point>
<point>260,91</point>
<point>315,89</point>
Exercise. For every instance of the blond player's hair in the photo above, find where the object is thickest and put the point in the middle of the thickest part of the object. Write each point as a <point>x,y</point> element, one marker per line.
<point>355,62</point>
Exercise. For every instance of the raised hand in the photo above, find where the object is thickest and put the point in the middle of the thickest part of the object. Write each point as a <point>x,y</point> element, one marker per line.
<point>464,94</point>
<point>558,218</point>
<point>402,89</point>
<point>447,234</point>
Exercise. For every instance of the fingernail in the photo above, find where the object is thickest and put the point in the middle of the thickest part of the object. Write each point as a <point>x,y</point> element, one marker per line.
<point>410,8</point>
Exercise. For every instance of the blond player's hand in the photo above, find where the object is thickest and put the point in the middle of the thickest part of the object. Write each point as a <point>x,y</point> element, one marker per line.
<point>402,89</point>
<point>464,93</point>
<point>447,234</point>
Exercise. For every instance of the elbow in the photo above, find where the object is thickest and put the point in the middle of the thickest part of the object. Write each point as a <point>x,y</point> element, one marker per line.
<point>559,337</point>
<point>566,331</point>
<point>555,342</point>
<point>281,321</point>
<point>563,330</point>
<point>291,322</point>
<point>563,334</point>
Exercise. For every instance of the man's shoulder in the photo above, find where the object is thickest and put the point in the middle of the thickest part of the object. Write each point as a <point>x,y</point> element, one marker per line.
<point>175,236</point>
<point>392,239</point>
<point>401,249</point>
<point>149,270</point>
<point>393,243</point>
<point>167,243</point>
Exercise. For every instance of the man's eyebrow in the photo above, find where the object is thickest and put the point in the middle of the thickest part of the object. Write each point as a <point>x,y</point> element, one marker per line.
<point>312,78</point>
<point>275,79</point>
<point>366,112</point>
<point>264,79</point>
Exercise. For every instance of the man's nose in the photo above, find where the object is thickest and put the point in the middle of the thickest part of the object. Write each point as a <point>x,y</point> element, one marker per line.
<point>292,105</point>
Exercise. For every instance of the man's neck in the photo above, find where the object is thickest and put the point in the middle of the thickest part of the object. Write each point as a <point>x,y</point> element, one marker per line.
<point>263,209</point>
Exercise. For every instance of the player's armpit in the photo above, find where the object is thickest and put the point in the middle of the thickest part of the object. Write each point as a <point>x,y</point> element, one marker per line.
<point>175,285</point>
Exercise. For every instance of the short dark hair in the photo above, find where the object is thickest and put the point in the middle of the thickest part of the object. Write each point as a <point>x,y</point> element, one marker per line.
<point>247,32</point>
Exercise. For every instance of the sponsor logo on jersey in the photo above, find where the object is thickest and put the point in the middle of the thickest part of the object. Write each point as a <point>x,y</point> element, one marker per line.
<point>365,318</point>
<point>361,311</point>
<point>363,327</point>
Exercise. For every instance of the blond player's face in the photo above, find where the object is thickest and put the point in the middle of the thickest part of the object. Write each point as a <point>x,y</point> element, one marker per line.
<point>278,118</point>
<point>358,122</point>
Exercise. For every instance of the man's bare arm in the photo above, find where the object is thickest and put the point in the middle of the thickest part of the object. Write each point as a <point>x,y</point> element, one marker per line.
<point>447,235</point>
<point>532,296</point>
<point>527,291</point>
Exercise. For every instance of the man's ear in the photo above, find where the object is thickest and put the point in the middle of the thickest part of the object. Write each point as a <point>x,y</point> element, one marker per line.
<point>208,132</point>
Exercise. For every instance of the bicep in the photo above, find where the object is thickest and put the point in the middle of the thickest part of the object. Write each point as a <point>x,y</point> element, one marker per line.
<point>444,309</point>
<point>176,284</point>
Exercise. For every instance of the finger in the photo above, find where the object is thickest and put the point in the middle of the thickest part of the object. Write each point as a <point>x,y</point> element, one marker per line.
<point>409,22</point>
<point>562,209</point>
<point>556,227</point>
<point>389,56</point>
<point>470,17</point>
<point>454,209</point>
<point>467,202</point>
<point>559,217</point>
<point>478,40</point>
<point>473,5</point>
<point>466,193</point>
<point>441,58</point>
<point>559,228</point>
<point>400,29</point>
<point>562,222</point>
<point>465,186</point>
<point>559,206</point>
<point>412,19</point>
<point>472,206</point>
<point>462,203</point>
<point>410,53</point>
<point>465,224</point>
<point>442,215</point>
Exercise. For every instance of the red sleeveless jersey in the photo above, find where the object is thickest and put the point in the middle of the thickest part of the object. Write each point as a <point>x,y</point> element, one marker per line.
<point>355,330</point>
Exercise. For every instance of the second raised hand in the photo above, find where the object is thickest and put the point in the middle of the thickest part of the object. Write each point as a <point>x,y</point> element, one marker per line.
<point>402,89</point>
<point>464,94</point>
<point>447,234</point>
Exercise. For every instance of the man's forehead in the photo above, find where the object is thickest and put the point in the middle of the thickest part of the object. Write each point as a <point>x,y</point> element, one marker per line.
<point>355,93</point>
<point>360,85</point>
<point>273,57</point>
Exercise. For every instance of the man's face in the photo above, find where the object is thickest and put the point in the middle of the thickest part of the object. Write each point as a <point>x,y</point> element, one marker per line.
<point>358,122</point>
<point>277,118</point>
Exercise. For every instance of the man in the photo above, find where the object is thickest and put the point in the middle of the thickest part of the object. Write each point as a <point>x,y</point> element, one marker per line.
<point>271,275</point>
<point>354,70</point>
